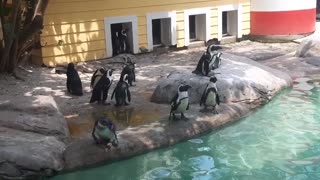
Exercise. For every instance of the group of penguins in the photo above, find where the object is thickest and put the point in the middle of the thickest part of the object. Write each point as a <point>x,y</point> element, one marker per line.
<point>104,130</point>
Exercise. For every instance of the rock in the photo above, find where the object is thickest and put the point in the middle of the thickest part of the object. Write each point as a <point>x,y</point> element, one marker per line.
<point>309,48</point>
<point>240,79</point>
<point>25,154</point>
<point>38,114</point>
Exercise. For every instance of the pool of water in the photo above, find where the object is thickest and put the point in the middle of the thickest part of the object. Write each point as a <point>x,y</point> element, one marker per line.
<point>279,141</point>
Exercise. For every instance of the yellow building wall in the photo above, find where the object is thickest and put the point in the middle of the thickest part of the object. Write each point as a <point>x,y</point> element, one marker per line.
<point>74,29</point>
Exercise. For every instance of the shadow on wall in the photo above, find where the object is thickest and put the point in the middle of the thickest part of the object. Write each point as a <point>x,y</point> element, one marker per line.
<point>74,42</point>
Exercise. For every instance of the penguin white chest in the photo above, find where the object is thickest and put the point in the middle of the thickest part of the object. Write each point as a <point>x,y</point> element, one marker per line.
<point>183,105</point>
<point>211,99</point>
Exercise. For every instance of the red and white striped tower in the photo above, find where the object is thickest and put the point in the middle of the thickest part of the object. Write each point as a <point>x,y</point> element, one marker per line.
<point>282,17</point>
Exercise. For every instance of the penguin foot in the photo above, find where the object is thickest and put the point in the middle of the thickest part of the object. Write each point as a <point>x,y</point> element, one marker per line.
<point>106,103</point>
<point>184,117</point>
<point>215,112</point>
<point>126,104</point>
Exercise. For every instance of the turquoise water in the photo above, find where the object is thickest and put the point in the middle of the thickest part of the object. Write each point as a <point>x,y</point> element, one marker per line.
<point>279,141</point>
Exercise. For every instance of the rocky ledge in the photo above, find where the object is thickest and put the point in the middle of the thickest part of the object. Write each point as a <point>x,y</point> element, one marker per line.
<point>243,85</point>
<point>33,137</point>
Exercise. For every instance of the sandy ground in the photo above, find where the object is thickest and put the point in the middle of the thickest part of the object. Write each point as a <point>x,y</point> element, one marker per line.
<point>81,115</point>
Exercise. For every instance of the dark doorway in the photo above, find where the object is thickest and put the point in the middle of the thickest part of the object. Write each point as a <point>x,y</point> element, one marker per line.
<point>225,23</point>
<point>156,31</point>
<point>118,39</point>
<point>192,27</point>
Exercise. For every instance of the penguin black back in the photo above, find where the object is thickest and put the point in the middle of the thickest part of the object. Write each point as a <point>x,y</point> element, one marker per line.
<point>101,85</point>
<point>129,69</point>
<point>180,102</point>
<point>210,96</point>
<point>74,84</point>
<point>121,92</point>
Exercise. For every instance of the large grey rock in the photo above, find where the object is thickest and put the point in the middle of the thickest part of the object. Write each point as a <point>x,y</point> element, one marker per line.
<point>241,79</point>
<point>309,48</point>
<point>38,114</point>
<point>26,154</point>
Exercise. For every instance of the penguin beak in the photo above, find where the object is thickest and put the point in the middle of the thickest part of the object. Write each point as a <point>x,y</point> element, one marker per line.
<point>188,87</point>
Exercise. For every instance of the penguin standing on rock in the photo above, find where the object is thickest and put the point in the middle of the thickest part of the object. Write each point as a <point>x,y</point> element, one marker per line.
<point>216,61</point>
<point>74,84</point>
<point>101,82</point>
<point>210,96</point>
<point>96,77</point>
<point>104,132</point>
<point>204,64</point>
<point>122,92</point>
<point>129,70</point>
<point>180,102</point>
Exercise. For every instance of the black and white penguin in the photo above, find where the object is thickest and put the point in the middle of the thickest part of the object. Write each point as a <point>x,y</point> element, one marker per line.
<point>96,77</point>
<point>129,69</point>
<point>180,102</point>
<point>210,96</point>
<point>104,132</point>
<point>101,82</point>
<point>203,66</point>
<point>122,92</point>
<point>124,42</point>
<point>74,84</point>
<point>115,44</point>
<point>216,61</point>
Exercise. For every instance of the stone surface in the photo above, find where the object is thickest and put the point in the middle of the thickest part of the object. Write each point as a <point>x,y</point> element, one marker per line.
<point>38,114</point>
<point>309,48</point>
<point>26,154</point>
<point>240,79</point>
<point>236,83</point>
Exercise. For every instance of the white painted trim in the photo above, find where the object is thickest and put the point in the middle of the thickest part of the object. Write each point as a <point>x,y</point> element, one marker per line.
<point>121,19</point>
<point>282,5</point>
<point>231,7</point>
<point>160,15</point>
<point>196,11</point>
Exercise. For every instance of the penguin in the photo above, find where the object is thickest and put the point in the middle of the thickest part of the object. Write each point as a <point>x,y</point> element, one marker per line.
<point>104,132</point>
<point>124,42</point>
<point>180,102</point>
<point>96,77</point>
<point>210,96</point>
<point>101,84</point>
<point>216,61</point>
<point>74,84</point>
<point>129,69</point>
<point>115,44</point>
<point>203,66</point>
<point>122,92</point>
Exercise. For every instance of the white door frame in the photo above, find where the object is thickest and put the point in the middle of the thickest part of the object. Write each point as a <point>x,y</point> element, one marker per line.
<point>196,11</point>
<point>230,7</point>
<point>160,15</point>
<point>121,19</point>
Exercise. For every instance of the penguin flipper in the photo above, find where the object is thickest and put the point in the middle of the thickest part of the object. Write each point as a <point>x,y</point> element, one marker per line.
<point>188,106</point>
<point>174,99</point>
<point>93,132</point>
<point>203,97</point>
<point>93,78</point>
<point>217,96</point>
<point>128,93</point>
<point>114,90</point>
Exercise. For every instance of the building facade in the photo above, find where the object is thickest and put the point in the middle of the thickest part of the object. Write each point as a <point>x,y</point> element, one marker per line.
<point>81,30</point>
<point>283,17</point>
